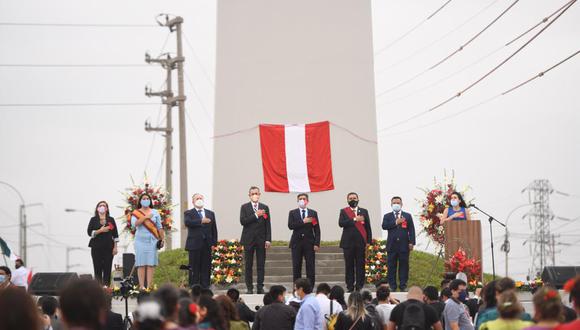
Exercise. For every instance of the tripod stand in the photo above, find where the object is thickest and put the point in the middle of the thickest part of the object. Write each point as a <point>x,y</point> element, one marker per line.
<point>126,286</point>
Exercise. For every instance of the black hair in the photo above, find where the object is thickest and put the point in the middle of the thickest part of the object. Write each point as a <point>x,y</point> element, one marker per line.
<point>304,284</point>
<point>185,317</point>
<point>461,200</point>
<point>267,299</point>
<point>323,288</point>
<point>351,193</point>
<point>488,295</point>
<point>234,294</point>
<point>302,194</point>
<point>18,310</point>
<point>82,303</point>
<point>505,284</point>
<point>456,283</point>
<point>141,197</point>
<point>381,282</point>
<point>6,270</point>
<point>337,293</point>
<point>446,292</point>
<point>445,283</point>
<point>396,197</point>
<point>167,296</point>
<point>277,291</point>
<point>383,293</point>
<point>107,215</point>
<point>214,313</point>
<point>48,304</point>
<point>431,293</point>
<point>196,292</point>
<point>366,296</point>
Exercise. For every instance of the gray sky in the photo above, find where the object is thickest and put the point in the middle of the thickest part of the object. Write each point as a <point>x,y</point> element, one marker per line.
<point>72,157</point>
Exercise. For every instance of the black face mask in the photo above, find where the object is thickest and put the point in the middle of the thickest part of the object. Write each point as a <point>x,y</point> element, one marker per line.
<point>352,203</point>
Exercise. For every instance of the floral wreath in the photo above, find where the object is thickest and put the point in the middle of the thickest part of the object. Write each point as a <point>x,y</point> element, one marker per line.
<point>436,200</point>
<point>227,262</point>
<point>460,262</point>
<point>159,202</point>
<point>376,261</point>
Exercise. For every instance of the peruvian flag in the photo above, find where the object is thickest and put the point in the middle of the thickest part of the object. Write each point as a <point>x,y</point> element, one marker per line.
<point>296,158</point>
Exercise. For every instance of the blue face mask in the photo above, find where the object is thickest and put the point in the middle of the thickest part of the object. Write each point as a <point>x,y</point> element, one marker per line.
<point>2,278</point>
<point>454,202</point>
<point>145,202</point>
<point>463,295</point>
<point>396,207</point>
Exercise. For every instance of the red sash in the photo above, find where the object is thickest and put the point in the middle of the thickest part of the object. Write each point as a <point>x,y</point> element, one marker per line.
<point>148,223</point>
<point>360,225</point>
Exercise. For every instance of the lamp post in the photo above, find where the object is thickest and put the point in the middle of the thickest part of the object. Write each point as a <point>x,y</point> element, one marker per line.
<point>69,210</point>
<point>68,251</point>
<point>505,247</point>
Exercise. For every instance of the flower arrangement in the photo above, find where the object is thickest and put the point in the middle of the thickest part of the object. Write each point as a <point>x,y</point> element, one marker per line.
<point>159,201</point>
<point>133,291</point>
<point>376,261</point>
<point>459,262</point>
<point>433,205</point>
<point>474,284</point>
<point>529,286</point>
<point>226,262</point>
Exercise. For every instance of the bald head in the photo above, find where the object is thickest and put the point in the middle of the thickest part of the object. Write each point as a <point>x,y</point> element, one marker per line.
<point>415,292</point>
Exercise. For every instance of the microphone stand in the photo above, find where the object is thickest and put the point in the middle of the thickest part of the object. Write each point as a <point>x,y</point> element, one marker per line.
<point>491,219</point>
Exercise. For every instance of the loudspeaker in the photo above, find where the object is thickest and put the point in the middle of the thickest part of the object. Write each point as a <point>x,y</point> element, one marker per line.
<point>128,263</point>
<point>558,275</point>
<point>50,284</point>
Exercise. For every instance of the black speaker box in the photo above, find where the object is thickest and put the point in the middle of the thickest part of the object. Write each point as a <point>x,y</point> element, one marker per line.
<point>50,284</point>
<point>558,275</point>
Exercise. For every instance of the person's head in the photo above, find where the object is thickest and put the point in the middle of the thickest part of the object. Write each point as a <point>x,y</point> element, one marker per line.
<point>302,287</point>
<point>102,209</point>
<point>278,293</point>
<point>5,274</point>
<point>187,314</point>
<point>488,295</point>
<point>457,200</point>
<point>503,285</point>
<point>337,293</point>
<point>184,293</point>
<point>254,194</point>
<point>430,294</point>
<point>382,282</point>
<point>206,292</point>
<point>415,293</point>
<point>383,294</point>
<point>196,292</point>
<point>198,200</point>
<point>367,296</point>
<point>229,310</point>
<point>83,304</point>
<point>352,199</point>
<point>148,316</point>
<point>234,294</point>
<point>17,310</point>
<point>168,296</point>
<point>445,283</point>
<point>396,203</point>
<point>210,312</point>
<point>445,294</point>
<point>302,199</point>
<point>508,306</point>
<point>547,304</point>
<point>267,299</point>
<point>356,306</point>
<point>575,293</point>
<point>457,286</point>
<point>323,288</point>
<point>144,201</point>
<point>48,305</point>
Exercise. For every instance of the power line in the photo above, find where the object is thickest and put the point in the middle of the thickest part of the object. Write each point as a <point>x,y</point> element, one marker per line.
<point>77,25</point>
<point>5,65</point>
<point>197,135</point>
<point>75,104</point>
<point>198,98</point>
<point>205,73</point>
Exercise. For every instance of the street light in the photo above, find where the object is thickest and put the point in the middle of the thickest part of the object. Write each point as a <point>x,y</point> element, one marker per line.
<point>68,251</point>
<point>77,210</point>
<point>506,243</point>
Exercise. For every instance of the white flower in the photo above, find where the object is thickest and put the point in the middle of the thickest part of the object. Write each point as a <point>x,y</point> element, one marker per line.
<point>439,199</point>
<point>373,267</point>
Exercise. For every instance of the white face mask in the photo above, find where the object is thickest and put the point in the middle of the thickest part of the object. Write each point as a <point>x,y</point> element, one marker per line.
<point>102,209</point>
<point>302,203</point>
<point>198,203</point>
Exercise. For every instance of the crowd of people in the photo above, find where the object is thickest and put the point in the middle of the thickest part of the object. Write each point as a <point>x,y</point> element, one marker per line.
<point>84,305</point>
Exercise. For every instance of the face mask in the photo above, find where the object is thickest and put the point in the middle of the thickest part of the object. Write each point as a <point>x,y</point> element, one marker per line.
<point>17,266</point>
<point>463,296</point>
<point>145,202</point>
<point>199,203</point>
<point>254,198</point>
<point>302,203</point>
<point>352,203</point>
<point>454,202</point>
<point>2,278</point>
<point>396,207</point>
<point>102,210</point>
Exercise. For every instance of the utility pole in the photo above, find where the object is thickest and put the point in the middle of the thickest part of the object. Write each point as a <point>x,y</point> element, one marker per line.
<point>166,98</point>
<point>539,195</point>
<point>68,250</point>
<point>175,24</point>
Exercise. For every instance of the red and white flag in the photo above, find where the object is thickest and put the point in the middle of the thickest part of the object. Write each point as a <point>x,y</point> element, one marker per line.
<point>296,158</point>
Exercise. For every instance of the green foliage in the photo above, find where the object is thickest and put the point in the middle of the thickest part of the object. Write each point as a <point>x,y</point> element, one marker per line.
<point>168,270</point>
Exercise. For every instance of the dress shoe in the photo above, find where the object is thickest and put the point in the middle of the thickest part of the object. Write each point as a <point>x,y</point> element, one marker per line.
<point>250,291</point>
<point>260,291</point>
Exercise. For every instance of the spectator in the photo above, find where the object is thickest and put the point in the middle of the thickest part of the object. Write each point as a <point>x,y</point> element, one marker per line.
<point>183,293</point>
<point>445,295</point>
<point>17,311</point>
<point>355,317</point>
<point>408,313</point>
<point>456,314</point>
<point>384,307</point>
<point>83,305</point>
<point>445,283</point>
<point>337,294</point>
<point>501,286</point>
<point>267,299</point>
<point>49,306</point>
<point>371,309</point>
<point>114,320</point>
<point>210,314</point>
<point>20,275</point>
<point>382,282</point>
<point>196,292</point>
<point>489,303</point>
<point>246,314</point>
<point>573,286</point>
<point>231,313</point>
<point>5,277</point>
<point>548,308</point>
<point>328,307</point>
<point>276,315</point>
<point>168,297</point>
<point>148,316</point>
<point>309,312</point>
<point>431,298</point>
<point>187,314</point>
<point>509,309</point>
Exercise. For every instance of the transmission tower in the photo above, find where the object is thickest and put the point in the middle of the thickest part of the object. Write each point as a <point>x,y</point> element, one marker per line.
<point>540,216</point>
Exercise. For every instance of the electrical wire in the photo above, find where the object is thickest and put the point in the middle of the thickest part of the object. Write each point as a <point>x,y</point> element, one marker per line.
<point>5,65</point>
<point>198,98</point>
<point>77,25</point>
<point>199,139</point>
<point>194,53</point>
<point>75,104</point>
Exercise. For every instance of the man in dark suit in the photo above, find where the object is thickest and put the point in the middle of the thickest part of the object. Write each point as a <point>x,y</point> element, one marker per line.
<point>305,240</point>
<point>256,237</point>
<point>201,236</point>
<point>400,243</point>
<point>356,235</point>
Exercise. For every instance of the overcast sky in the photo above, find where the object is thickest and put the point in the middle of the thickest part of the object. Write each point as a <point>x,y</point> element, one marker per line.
<point>74,156</point>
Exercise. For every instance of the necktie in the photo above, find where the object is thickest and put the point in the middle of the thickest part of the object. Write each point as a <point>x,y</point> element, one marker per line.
<point>200,213</point>
<point>303,214</point>
<point>397,215</point>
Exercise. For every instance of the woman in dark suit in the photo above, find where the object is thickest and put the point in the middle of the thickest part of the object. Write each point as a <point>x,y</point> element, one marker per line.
<point>104,237</point>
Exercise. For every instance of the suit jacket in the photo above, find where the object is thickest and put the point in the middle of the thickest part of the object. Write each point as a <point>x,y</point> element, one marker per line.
<point>350,235</point>
<point>199,234</point>
<point>399,238</point>
<point>301,230</point>
<point>114,321</point>
<point>104,240</point>
<point>256,230</point>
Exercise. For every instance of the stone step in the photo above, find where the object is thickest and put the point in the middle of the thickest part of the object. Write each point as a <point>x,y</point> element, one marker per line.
<point>287,270</point>
<point>288,263</point>
<point>288,278</point>
<point>319,256</point>
<point>286,249</point>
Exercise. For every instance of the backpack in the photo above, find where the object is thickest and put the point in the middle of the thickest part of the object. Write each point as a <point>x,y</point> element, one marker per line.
<point>332,318</point>
<point>413,316</point>
<point>374,315</point>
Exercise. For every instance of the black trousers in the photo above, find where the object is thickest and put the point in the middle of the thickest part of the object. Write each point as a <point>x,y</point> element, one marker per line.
<point>102,264</point>
<point>200,263</point>
<point>305,250</point>
<point>400,260</point>
<point>249,251</point>
<point>354,264</point>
